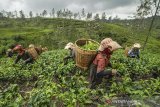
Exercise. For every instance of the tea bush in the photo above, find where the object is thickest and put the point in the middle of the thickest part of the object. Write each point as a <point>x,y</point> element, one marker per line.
<point>48,82</point>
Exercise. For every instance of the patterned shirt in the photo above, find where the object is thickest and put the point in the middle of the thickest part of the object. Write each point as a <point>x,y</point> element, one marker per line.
<point>101,61</point>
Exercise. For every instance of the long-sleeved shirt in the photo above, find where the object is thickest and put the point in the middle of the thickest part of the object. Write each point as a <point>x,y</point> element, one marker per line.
<point>25,56</point>
<point>134,53</point>
<point>101,61</point>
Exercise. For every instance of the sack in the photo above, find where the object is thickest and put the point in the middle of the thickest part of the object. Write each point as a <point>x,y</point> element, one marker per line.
<point>114,45</point>
<point>33,53</point>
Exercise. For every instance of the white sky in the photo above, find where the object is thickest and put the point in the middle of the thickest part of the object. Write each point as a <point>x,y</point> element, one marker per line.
<point>122,8</point>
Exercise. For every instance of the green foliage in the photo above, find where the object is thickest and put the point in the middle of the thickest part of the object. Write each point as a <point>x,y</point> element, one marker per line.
<point>90,46</point>
<point>56,84</point>
<point>48,82</point>
<point>11,97</point>
<point>55,33</point>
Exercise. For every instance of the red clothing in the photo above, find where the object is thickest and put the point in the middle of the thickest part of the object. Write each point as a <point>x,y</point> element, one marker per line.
<point>107,52</point>
<point>101,61</point>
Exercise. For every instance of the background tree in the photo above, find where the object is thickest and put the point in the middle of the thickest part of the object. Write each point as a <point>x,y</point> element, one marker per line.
<point>83,14</point>
<point>103,18</point>
<point>16,14</point>
<point>89,16</point>
<point>22,15</point>
<point>79,16</point>
<point>146,8</point>
<point>96,17</point>
<point>4,13</point>
<point>59,13</point>
<point>44,13</point>
<point>53,12</point>
<point>116,18</point>
<point>30,14</point>
<point>1,15</point>
<point>9,14</point>
<point>110,19</point>
<point>75,15</point>
<point>70,14</point>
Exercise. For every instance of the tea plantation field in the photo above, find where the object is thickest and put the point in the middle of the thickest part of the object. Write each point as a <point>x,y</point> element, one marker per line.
<point>50,83</point>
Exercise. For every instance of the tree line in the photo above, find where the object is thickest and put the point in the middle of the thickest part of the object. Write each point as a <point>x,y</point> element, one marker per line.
<point>62,13</point>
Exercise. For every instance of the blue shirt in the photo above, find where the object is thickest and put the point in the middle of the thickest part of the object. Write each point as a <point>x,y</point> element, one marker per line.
<point>133,52</point>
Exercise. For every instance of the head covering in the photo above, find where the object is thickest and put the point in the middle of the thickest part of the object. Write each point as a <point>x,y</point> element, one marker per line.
<point>108,52</point>
<point>114,45</point>
<point>69,45</point>
<point>104,43</point>
<point>8,50</point>
<point>18,47</point>
<point>136,45</point>
<point>31,46</point>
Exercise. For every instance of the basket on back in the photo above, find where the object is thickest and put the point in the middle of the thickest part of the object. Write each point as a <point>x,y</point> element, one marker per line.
<point>127,50</point>
<point>84,57</point>
<point>33,53</point>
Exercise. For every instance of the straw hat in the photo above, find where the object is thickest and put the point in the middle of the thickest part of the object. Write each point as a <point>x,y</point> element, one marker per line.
<point>69,45</point>
<point>136,45</point>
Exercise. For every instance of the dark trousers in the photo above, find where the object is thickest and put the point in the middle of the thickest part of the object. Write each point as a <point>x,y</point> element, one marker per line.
<point>96,78</point>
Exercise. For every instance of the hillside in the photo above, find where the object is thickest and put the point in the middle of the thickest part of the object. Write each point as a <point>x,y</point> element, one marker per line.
<point>48,82</point>
<point>55,33</point>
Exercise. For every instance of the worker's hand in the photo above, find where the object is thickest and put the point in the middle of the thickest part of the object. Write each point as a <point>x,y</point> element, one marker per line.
<point>114,71</point>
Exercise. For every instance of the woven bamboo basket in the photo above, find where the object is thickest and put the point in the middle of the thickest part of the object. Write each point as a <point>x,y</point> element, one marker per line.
<point>84,57</point>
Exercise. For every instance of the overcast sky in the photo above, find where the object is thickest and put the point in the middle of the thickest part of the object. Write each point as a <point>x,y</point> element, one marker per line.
<point>122,8</point>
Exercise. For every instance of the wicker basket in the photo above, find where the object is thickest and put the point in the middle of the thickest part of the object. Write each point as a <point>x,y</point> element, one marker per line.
<point>84,57</point>
<point>33,53</point>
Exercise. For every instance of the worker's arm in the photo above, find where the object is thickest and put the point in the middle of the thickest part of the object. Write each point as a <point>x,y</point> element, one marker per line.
<point>29,59</point>
<point>138,54</point>
<point>17,58</point>
<point>130,52</point>
<point>71,54</point>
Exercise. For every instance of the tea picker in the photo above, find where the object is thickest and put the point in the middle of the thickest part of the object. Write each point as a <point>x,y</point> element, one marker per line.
<point>134,51</point>
<point>71,47</point>
<point>101,61</point>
